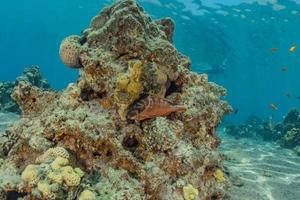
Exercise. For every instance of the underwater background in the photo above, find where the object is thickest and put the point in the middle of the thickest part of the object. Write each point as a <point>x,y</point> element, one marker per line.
<point>236,33</point>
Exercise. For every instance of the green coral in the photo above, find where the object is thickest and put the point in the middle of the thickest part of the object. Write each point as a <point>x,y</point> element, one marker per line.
<point>128,87</point>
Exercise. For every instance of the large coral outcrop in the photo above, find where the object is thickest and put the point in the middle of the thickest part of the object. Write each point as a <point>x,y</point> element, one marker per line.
<point>124,56</point>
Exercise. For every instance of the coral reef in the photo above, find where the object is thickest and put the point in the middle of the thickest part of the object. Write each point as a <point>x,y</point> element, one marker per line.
<point>254,128</point>
<point>80,141</point>
<point>31,76</point>
<point>287,132</point>
<point>51,176</point>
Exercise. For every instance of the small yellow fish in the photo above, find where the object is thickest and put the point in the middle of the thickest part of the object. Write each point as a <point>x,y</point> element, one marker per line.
<point>293,48</point>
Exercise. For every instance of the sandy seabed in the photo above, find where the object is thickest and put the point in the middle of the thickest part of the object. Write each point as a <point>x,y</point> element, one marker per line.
<point>261,170</point>
<point>6,119</point>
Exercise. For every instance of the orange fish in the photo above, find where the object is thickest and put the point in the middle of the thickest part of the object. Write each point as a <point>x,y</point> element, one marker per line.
<point>293,48</point>
<point>273,106</point>
<point>152,106</point>
<point>284,69</point>
<point>274,49</point>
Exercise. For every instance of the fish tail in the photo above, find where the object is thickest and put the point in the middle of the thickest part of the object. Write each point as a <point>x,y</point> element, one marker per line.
<point>180,108</point>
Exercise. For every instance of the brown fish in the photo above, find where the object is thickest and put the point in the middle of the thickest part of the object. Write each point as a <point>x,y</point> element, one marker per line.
<point>273,106</point>
<point>152,106</point>
<point>274,49</point>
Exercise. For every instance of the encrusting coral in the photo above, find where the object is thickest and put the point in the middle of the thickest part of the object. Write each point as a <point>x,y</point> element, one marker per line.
<point>81,142</point>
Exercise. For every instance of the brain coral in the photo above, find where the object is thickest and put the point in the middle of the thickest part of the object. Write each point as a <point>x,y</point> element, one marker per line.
<point>69,51</point>
<point>54,153</point>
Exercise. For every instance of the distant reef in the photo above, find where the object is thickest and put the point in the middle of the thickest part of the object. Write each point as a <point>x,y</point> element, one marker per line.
<point>287,132</point>
<point>31,76</point>
<point>138,124</point>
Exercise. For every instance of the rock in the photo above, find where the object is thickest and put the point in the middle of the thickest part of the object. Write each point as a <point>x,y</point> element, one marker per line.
<point>125,55</point>
<point>31,76</point>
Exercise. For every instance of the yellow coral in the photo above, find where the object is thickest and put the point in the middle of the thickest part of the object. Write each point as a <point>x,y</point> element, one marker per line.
<point>79,172</point>
<point>87,195</point>
<point>55,177</point>
<point>219,176</point>
<point>128,87</point>
<point>30,174</point>
<point>59,162</point>
<point>136,71</point>
<point>45,189</point>
<point>71,177</point>
<point>189,192</point>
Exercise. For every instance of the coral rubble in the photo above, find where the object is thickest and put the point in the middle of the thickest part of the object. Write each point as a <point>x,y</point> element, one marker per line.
<point>84,131</point>
<point>31,76</point>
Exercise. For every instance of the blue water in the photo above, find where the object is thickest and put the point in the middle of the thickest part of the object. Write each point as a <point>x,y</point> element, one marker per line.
<point>239,33</point>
